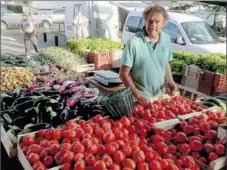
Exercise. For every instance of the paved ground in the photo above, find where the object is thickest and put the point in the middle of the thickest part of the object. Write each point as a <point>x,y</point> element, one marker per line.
<point>12,40</point>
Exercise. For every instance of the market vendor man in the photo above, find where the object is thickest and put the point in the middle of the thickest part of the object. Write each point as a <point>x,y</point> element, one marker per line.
<point>145,62</point>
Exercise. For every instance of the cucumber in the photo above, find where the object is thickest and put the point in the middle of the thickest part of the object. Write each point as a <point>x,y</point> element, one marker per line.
<point>209,104</point>
<point>221,98</point>
<point>217,102</point>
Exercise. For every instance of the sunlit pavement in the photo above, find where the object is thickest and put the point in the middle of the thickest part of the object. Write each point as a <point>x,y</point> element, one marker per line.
<point>12,41</point>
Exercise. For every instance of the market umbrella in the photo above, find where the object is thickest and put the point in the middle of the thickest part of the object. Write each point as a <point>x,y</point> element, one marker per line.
<point>80,26</point>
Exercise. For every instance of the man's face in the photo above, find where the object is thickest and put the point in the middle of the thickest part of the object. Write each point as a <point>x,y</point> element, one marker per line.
<point>154,24</point>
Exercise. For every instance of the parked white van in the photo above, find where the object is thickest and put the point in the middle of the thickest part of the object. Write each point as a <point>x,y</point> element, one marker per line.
<point>187,33</point>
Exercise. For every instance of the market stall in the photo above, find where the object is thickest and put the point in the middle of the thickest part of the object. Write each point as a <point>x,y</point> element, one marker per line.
<point>63,119</point>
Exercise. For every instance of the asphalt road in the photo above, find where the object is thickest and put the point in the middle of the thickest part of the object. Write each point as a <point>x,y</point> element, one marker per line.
<point>12,41</point>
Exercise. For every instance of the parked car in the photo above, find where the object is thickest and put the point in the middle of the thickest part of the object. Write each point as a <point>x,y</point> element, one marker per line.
<point>187,33</point>
<point>11,16</point>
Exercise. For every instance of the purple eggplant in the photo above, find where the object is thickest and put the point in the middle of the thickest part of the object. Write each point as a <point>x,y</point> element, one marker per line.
<point>49,83</point>
<point>72,101</point>
<point>77,83</point>
<point>36,88</point>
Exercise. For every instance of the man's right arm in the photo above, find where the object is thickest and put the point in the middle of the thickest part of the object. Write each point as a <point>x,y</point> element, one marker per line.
<point>127,80</point>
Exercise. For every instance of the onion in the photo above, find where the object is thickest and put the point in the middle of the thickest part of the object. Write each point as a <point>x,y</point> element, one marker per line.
<point>77,83</point>
<point>76,88</point>
<point>57,86</point>
<point>88,96</point>
<point>62,89</point>
<point>61,80</point>
<point>49,83</point>
<point>36,88</point>
<point>95,91</point>
<point>67,83</point>
<point>73,100</point>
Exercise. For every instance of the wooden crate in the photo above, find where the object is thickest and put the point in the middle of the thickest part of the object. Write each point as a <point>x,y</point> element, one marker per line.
<point>8,145</point>
<point>22,158</point>
<point>167,125</point>
<point>190,77</point>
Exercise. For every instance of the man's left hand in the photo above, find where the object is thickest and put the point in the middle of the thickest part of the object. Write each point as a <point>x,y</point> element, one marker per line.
<point>171,87</point>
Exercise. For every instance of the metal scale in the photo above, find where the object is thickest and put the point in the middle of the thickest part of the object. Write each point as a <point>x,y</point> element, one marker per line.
<point>107,77</point>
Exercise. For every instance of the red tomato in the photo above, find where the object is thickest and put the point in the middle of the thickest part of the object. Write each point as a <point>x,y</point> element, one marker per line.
<point>86,142</point>
<point>100,165</point>
<point>125,121</point>
<point>129,163</point>
<point>78,148</point>
<point>118,134</point>
<point>68,156</point>
<point>111,149</point>
<point>155,165</point>
<point>115,166</point>
<point>92,148</point>
<point>78,156</point>
<point>143,166</point>
<point>139,157</point>
<point>87,136</point>
<point>88,129</point>
<point>131,129</point>
<point>90,160</point>
<point>127,150</point>
<point>108,137</point>
<point>38,164</point>
<point>99,132</point>
<point>101,149</point>
<point>162,147</point>
<point>33,157</point>
<point>149,155</point>
<point>106,125</point>
<point>118,125</point>
<point>172,167</point>
<point>79,132</point>
<point>164,163</point>
<point>80,165</point>
<point>108,160</point>
<point>119,156</point>
<point>98,118</point>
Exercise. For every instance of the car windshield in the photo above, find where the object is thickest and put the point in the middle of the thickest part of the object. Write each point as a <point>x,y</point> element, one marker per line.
<point>199,32</point>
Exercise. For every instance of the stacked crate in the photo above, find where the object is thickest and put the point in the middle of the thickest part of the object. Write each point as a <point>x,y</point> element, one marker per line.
<point>102,61</point>
<point>190,76</point>
<point>211,83</point>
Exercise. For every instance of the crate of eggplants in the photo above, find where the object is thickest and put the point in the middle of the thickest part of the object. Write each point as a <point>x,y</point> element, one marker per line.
<point>33,110</point>
<point>40,107</point>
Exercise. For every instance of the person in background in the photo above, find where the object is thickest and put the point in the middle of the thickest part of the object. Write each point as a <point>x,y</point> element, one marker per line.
<point>145,62</point>
<point>28,26</point>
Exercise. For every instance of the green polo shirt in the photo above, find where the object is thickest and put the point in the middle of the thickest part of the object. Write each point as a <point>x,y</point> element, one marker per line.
<point>148,64</point>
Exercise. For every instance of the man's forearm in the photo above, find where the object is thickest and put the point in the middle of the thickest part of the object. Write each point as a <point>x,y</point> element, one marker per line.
<point>127,80</point>
<point>168,76</point>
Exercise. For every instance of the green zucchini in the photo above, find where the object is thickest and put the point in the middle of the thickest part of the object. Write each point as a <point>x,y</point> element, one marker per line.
<point>209,104</point>
<point>217,102</point>
<point>221,98</point>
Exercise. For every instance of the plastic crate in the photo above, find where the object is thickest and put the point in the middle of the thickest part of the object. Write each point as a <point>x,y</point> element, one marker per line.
<point>190,76</point>
<point>101,60</point>
<point>212,83</point>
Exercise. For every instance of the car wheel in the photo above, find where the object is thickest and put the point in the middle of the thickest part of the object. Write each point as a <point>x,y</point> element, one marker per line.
<point>46,25</point>
<point>3,25</point>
